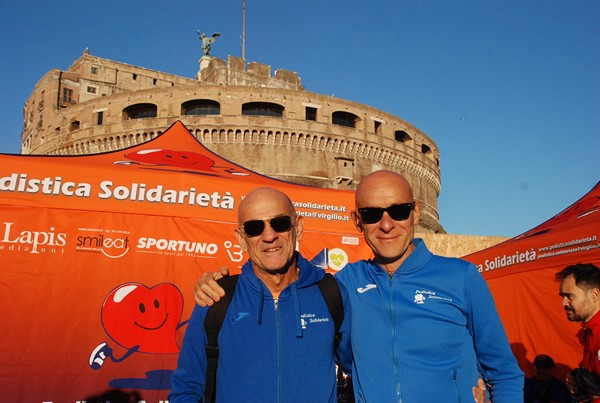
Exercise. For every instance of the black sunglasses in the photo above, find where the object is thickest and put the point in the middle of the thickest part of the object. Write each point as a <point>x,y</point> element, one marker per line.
<point>254,228</point>
<point>398,212</point>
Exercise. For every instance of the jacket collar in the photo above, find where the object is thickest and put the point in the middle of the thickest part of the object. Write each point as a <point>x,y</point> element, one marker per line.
<point>417,259</point>
<point>308,275</point>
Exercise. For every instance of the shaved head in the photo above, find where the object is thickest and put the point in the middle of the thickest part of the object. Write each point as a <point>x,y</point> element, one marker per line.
<point>389,239</point>
<point>378,180</point>
<point>259,197</point>
<point>271,249</point>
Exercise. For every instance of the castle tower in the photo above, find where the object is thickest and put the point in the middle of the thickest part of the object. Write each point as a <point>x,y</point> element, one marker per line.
<point>266,122</point>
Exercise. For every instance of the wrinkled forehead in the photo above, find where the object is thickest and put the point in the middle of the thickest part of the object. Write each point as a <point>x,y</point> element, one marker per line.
<point>263,206</point>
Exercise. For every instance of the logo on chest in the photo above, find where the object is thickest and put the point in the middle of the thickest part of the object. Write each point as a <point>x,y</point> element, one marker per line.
<point>309,318</point>
<point>237,318</point>
<point>423,296</point>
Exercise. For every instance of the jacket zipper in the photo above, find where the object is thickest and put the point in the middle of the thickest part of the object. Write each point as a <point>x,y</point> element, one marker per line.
<point>394,342</point>
<point>278,332</point>
<point>454,378</point>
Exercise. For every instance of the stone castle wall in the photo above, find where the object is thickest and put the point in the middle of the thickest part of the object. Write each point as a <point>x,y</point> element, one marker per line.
<point>452,245</point>
<point>266,123</point>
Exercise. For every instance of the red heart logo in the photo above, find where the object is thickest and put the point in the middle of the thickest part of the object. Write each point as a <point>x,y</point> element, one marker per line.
<point>180,159</point>
<point>136,315</point>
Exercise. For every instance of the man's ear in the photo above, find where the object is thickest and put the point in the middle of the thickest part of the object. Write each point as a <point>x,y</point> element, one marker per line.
<point>417,213</point>
<point>356,220</point>
<point>299,227</point>
<point>241,240</point>
<point>595,294</point>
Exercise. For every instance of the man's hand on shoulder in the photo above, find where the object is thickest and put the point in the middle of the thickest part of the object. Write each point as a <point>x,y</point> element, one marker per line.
<point>207,290</point>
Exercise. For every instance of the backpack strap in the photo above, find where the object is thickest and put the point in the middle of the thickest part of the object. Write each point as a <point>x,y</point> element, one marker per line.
<point>333,298</point>
<point>212,325</point>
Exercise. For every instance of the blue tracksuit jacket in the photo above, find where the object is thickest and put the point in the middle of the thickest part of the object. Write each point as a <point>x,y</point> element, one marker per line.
<point>268,351</point>
<point>427,333</point>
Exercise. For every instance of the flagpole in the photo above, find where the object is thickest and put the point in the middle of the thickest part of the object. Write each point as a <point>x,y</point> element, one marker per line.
<point>244,31</point>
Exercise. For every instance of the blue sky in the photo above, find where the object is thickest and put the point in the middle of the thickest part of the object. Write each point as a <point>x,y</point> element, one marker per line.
<point>509,90</point>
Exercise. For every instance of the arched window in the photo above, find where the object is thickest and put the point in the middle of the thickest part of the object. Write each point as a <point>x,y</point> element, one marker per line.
<point>200,107</point>
<point>344,119</point>
<point>262,109</point>
<point>402,136</point>
<point>425,149</point>
<point>139,111</point>
<point>74,125</point>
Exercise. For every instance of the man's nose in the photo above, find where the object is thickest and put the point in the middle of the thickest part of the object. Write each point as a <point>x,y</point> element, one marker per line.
<point>269,234</point>
<point>386,223</point>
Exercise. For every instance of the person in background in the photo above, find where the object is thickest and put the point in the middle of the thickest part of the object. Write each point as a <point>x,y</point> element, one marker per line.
<point>424,327</point>
<point>580,292</point>
<point>544,387</point>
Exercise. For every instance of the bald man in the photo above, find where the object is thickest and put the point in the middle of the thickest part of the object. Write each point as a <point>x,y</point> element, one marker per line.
<point>268,350</point>
<point>424,327</point>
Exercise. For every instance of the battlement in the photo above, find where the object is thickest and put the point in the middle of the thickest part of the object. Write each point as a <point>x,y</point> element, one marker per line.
<point>235,72</point>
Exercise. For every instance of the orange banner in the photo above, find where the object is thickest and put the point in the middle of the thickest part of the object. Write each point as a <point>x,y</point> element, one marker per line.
<point>100,255</point>
<point>521,271</point>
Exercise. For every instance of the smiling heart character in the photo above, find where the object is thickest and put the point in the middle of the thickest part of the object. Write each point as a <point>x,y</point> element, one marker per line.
<point>180,159</point>
<point>136,315</point>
